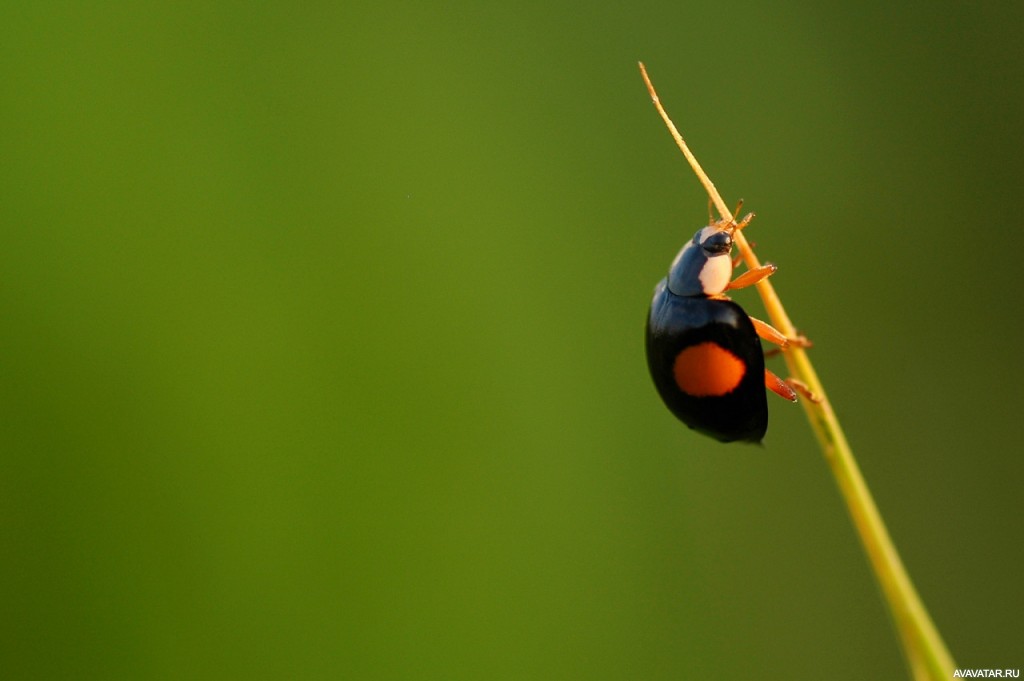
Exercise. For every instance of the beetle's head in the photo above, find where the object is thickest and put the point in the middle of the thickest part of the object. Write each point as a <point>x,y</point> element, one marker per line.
<point>704,265</point>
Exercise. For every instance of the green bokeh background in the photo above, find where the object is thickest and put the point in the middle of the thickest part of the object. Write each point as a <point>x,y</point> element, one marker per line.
<point>322,346</point>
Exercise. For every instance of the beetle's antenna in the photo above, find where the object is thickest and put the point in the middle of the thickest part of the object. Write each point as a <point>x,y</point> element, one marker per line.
<point>737,226</point>
<point>736,213</point>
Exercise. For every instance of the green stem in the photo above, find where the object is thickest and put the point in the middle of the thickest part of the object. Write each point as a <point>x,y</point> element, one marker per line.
<point>926,653</point>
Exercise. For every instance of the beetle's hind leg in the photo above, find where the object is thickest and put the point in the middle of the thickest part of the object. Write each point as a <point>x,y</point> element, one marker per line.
<point>789,387</point>
<point>779,386</point>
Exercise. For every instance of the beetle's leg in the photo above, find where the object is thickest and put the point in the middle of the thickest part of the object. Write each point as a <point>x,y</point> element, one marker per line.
<point>788,388</point>
<point>751,277</point>
<point>773,335</point>
<point>778,386</point>
<point>803,389</point>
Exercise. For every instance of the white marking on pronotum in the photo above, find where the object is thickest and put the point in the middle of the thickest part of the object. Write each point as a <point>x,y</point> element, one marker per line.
<point>717,270</point>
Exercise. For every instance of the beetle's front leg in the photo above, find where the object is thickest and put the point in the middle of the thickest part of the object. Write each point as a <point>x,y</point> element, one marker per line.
<point>751,277</point>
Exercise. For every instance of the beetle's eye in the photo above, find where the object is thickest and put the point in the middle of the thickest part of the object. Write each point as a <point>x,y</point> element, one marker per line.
<point>718,243</point>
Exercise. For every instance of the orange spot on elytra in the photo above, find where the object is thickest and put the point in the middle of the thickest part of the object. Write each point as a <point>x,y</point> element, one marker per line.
<point>708,370</point>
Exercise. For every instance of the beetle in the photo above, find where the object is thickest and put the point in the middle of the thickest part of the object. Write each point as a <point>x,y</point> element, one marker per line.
<point>703,351</point>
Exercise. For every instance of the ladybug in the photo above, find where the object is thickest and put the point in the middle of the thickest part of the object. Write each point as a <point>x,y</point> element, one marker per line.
<point>703,351</point>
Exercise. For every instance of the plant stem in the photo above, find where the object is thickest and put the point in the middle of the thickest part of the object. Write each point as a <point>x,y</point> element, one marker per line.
<point>926,653</point>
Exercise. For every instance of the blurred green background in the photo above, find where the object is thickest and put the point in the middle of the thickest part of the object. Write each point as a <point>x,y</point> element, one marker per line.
<point>322,337</point>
